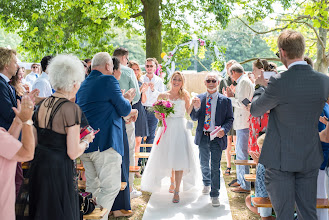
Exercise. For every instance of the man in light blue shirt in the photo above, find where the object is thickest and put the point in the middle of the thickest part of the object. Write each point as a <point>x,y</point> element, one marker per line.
<point>42,83</point>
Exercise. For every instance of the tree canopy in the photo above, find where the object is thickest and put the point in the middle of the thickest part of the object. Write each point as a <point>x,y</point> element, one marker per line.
<point>85,27</point>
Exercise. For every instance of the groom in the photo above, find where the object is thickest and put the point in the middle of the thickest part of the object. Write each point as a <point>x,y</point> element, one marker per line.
<point>212,110</point>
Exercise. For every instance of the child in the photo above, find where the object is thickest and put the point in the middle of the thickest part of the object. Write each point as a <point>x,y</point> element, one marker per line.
<point>260,190</point>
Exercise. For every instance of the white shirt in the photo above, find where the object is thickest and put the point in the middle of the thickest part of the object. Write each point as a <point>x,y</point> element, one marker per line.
<point>43,84</point>
<point>298,63</point>
<point>151,97</point>
<point>31,77</point>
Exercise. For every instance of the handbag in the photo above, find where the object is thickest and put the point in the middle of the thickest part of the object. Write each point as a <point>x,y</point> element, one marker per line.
<point>86,203</point>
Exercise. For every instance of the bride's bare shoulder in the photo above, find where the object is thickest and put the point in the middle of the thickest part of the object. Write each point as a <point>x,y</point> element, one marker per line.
<point>164,95</point>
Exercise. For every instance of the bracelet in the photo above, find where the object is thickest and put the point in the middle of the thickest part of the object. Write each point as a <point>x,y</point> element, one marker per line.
<point>86,142</point>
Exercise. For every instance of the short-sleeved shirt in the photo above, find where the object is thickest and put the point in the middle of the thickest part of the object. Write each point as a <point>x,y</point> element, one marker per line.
<point>9,146</point>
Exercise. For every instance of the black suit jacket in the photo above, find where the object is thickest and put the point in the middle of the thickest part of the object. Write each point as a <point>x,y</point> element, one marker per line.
<point>7,101</point>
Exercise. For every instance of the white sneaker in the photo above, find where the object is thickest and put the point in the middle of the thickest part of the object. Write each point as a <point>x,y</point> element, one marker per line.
<point>135,193</point>
<point>215,201</point>
<point>206,190</point>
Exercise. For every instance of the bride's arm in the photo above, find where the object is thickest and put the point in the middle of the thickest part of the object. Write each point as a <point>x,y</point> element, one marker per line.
<point>188,104</point>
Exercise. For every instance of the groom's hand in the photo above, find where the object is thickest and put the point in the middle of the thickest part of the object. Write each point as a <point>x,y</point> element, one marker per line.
<point>220,133</point>
<point>196,102</point>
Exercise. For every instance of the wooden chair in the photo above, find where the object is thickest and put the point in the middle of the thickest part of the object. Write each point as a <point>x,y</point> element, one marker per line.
<point>266,203</point>
<point>245,162</point>
<point>250,177</point>
<point>142,154</point>
<point>96,214</point>
<point>134,169</point>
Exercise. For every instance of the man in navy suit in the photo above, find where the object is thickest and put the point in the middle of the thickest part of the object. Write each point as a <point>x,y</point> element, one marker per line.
<point>101,100</point>
<point>211,110</point>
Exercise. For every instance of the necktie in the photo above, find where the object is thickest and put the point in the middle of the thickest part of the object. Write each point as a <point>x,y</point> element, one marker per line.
<point>36,75</point>
<point>208,114</point>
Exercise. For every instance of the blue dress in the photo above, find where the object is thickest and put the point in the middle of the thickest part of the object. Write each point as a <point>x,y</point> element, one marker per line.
<point>141,126</point>
<point>122,201</point>
<point>325,146</point>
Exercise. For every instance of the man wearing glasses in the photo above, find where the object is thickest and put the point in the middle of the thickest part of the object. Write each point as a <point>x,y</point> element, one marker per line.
<point>244,91</point>
<point>211,110</point>
<point>155,87</point>
<point>31,77</point>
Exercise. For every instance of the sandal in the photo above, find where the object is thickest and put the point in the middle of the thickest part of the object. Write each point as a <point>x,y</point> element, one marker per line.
<point>175,200</point>
<point>172,187</point>
<point>227,171</point>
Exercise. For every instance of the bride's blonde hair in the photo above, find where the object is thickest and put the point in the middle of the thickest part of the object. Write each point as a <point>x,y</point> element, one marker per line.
<point>182,92</point>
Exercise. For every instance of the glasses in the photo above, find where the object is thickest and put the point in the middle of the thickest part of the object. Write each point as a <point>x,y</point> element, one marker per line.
<point>34,67</point>
<point>211,81</point>
<point>149,66</point>
<point>278,54</point>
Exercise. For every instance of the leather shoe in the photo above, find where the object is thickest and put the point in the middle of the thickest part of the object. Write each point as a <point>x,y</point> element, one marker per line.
<point>122,212</point>
<point>236,184</point>
<point>240,190</point>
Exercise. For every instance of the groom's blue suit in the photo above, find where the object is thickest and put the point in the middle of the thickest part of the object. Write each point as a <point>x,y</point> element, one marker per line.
<point>212,150</point>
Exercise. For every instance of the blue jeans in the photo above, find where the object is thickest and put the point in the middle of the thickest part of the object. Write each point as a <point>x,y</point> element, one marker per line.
<point>210,151</point>
<point>241,150</point>
<point>152,122</point>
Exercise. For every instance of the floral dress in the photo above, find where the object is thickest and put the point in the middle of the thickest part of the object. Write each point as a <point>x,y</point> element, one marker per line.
<point>257,126</point>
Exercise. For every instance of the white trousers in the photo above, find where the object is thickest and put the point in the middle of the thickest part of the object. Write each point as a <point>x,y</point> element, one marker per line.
<point>130,129</point>
<point>103,175</point>
<point>322,194</point>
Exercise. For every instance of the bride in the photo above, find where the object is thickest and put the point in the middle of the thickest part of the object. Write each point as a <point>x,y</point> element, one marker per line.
<point>173,156</point>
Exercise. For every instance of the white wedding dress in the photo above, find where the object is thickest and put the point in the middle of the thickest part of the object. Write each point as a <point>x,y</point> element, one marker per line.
<point>174,152</point>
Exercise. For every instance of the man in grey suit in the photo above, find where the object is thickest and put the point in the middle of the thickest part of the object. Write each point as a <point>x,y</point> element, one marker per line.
<point>292,152</point>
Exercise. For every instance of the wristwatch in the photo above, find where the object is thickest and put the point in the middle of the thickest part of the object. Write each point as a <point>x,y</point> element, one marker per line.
<point>28,122</point>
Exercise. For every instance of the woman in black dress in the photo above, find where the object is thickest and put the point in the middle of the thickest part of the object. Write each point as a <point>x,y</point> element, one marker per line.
<point>52,177</point>
<point>141,126</point>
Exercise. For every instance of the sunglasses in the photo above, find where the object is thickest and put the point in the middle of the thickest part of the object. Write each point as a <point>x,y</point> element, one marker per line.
<point>211,81</point>
<point>34,67</point>
<point>149,66</point>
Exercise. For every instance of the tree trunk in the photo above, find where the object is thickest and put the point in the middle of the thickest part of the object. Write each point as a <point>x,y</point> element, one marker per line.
<point>322,62</point>
<point>153,27</point>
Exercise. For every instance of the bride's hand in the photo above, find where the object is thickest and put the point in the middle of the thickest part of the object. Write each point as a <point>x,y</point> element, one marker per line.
<point>158,115</point>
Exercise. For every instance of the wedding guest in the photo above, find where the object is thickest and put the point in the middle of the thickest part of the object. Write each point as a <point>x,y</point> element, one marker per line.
<point>8,68</point>
<point>211,110</point>
<point>244,90</point>
<point>291,152</point>
<point>104,110</point>
<point>260,189</point>
<point>19,86</point>
<point>231,135</point>
<point>88,62</point>
<point>42,83</point>
<point>141,125</point>
<point>121,205</point>
<point>12,151</point>
<point>173,150</point>
<point>128,81</point>
<point>155,87</point>
<point>322,193</point>
<point>34,74</point>
<point>58,121</point>
<point>258,125</point>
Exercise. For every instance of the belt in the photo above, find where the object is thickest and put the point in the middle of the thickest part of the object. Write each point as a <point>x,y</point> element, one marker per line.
<point>206,133</point>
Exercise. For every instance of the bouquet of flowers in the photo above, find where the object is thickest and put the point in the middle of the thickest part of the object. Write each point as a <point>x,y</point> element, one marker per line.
<point>163,107</point>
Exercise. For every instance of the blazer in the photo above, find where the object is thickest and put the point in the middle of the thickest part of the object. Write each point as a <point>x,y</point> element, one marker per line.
<point>224,118</point>
<point>101,100</point>
<point>244,89</point>
<point>296,99</point>
<point>7,101</point>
